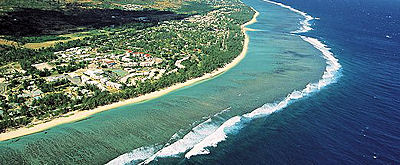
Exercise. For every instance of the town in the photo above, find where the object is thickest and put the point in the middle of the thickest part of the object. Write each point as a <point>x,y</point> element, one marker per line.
<point>117,63</point>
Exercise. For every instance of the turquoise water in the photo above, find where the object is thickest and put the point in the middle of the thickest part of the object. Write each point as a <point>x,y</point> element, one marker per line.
<point>276,64</point>
<point>352,121</point>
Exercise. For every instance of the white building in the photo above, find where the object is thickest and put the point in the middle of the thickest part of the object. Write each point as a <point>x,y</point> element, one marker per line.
<point>113,85</point>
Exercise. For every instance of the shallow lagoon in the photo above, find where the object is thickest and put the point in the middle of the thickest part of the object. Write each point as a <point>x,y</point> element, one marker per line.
<point>276,63</point>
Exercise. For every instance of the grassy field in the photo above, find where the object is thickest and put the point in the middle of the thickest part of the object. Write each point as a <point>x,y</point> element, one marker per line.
<point>44,44</point>
<point>67,20</point>
<point>69,37</point>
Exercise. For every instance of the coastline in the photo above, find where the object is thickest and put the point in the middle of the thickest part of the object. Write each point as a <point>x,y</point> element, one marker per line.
<point>79,115</point>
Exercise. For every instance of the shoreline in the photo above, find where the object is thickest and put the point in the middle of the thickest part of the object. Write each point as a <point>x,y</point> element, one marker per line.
<point>79,115</point>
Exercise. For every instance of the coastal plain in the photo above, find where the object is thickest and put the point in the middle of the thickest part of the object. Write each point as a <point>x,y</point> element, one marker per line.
<point>274,55</point>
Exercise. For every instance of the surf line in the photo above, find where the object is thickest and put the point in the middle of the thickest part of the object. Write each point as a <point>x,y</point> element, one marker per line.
<point>330,75</point>
<point>207,134</point>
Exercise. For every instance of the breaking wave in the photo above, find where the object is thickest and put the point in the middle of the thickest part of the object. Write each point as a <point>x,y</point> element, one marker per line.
<point>328,77</point>
<point>305,24</point>
<point>135,156</point>
<point>214,130</point>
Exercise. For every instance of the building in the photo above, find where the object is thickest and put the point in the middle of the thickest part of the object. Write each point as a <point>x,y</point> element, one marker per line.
<point>147,63</point>
<point>113,85</point>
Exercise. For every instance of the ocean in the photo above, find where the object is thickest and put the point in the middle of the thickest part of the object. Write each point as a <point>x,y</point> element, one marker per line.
<point>352,121</point>
<point>320,84</point>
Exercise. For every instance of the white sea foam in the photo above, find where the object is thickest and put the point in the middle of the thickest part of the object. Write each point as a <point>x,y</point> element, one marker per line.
<point>329,76</point>
<point>305,24</point>
<point>198,133</point>
<point>213,139</point>
<point>148,154</point>
<point>189,140</point>
<point>209,134</point>
<point>136,155</point>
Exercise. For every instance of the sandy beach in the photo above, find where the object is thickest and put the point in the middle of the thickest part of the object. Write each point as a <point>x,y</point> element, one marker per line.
<point>79,115</point>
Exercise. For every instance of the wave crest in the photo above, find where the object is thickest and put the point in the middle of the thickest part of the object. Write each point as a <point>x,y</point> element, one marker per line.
<point>209,134</point>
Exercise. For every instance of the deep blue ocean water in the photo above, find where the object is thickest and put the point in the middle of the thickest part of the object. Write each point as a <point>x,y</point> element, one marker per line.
<point>353,121</point>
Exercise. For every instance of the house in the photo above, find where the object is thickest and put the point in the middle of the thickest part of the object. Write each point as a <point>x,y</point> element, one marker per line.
<point>138,54</point>
<point>103,80</point>
<point>55,78</point>
<point>111,63</point>
<point>84,91</point>
<point>126,59</point>
<point>113,85</point>
<point>130,64</point>
<point>88,59</point>
<point>147,63</point>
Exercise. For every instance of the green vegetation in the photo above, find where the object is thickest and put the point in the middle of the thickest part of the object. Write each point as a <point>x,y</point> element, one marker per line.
<point>28,57</point>
<point>9,5</point>
<point>118,62</point>
<point>195,8</point>
<point>38,39</point>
